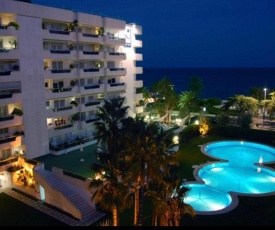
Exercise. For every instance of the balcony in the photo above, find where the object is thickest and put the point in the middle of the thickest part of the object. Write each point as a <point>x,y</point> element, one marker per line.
<point>53,131</point>
<point>111,40</point>
<point>91,72</point>
<point>115,56</point>
<point>93,38</point>
<point>60,74</point>
<point>92,120</point>
<point>115,72</point>
<point>10,120</point>
<point>138,84</point>
<point>8,31</point>
<point>60,54</point>
<point>92,105</point>
<point>91,89</point>
<point>90,55</point>
<point>137,44</point>
<point>7,139</point>
<point>58,35</point>
<point>11,97</point>
<point>139,70</point>
<point>138,96</point>
<point>61,111</point>
<point>9,53</point>
<point>138,57</point>
<point>60,92</point>
<point>116,87</point>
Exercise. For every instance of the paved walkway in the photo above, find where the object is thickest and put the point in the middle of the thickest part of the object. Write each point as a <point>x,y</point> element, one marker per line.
<point>52,212</point>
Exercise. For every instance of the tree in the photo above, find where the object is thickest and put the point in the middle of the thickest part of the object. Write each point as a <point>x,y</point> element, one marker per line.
<point>108,192</point>
<point>188,101</point>
<point>148,150</point>
<point>242,103</point>
<point>196,86</point>
<point>168,99</point>
<point>168,201</point>
<point>109,127</point>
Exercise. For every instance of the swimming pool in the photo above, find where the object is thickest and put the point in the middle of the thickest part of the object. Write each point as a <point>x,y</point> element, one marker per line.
<point>239,171</point>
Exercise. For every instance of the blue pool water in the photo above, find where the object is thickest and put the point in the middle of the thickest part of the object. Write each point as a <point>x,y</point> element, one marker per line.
<point>239,171</point>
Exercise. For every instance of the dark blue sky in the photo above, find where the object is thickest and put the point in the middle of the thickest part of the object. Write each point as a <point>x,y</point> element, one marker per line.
<point>193,33</point>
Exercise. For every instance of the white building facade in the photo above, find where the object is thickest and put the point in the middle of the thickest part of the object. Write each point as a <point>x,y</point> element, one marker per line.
<point>56,67</point>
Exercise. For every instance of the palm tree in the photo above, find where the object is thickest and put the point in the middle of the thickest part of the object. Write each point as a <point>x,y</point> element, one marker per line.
<point>108,192</point>
<point>168,97</point>
<point>109,127</point>
<point>168,201</point>
<point>148,152</point>
<point>188,100</point>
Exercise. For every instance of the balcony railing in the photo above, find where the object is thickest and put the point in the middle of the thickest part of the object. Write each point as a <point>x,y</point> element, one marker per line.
<point>5,73</point>
<point>92,103</point>
<point>116,84</point>
<point>57,90</point>
<point>63,127</point>
<point>59,32</point>
<point>90,35</point>
<point>60,70</point>
<point>7,118</point>
<point>116,69</point>
<point>91,52</point>
<point>60,51</point>
<point>62,108</point>
<point>7,139</point>
<point>92,120</point>
<point>91,70</point>
<point>92,86</point>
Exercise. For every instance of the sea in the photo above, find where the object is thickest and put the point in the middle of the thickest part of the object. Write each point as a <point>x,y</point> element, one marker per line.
<point>219,83</point>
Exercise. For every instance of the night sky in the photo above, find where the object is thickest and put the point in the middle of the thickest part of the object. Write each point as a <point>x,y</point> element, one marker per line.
<point>193,33</point>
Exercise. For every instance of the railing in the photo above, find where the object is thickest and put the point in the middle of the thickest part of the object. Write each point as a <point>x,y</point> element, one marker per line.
<point>7,118</point>
<point>63,108</point>
<point>8,161</point>
<point>63,127</point>
<point>90,35</point>
<point>91,70</point>
<point>92,87</point>
<point>60,51</point>
<point>116,69</point>
<point>59,32</point>
<point>5,73</point>
<point>92,103</point>
<point>7,139</point>
<point>91,52</point>
<point>92,120</point>
<point>116,53</point>
<point>116,84</point>
<point>57,90</point>
<point>60,70</point>
<point>67,145</point>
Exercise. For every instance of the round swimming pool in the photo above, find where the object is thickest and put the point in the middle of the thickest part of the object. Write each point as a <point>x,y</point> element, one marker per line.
<point>241,172</point>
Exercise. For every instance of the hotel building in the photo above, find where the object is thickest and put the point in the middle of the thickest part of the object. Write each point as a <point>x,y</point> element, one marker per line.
<point>56,67</point>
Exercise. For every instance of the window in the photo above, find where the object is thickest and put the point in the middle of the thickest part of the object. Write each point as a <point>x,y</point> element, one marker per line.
<point>48,103</point>
<point>56,46</point>
<point>90,98</point>
<point>82,116</point>
<point>112,80</point>
<point>4,132</point>
<point>46,84</point>
<point>59,103</point>
<point>57,65</point>
<point>110,64</point>
<point>80,82</point>
<point>58,85</point>
<point>80,65</point>
<point>6,153</point>
<point>90,81</point>
<point>57,26</point>
<point>80,100</point>
<point>3,111</point>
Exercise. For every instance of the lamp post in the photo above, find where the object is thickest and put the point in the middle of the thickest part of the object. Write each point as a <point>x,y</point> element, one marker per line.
<point>265,89</point>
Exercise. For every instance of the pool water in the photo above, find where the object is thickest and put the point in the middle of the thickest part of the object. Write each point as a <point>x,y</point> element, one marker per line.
<point>240,172</point>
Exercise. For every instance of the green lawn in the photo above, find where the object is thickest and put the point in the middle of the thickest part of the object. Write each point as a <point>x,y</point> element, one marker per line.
<point>251,211</point>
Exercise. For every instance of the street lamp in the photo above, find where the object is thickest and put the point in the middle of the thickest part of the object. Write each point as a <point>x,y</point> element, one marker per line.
<point>265,89</point>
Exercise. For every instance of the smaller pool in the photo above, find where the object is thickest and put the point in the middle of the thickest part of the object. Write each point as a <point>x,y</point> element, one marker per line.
<point>203,198</point>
